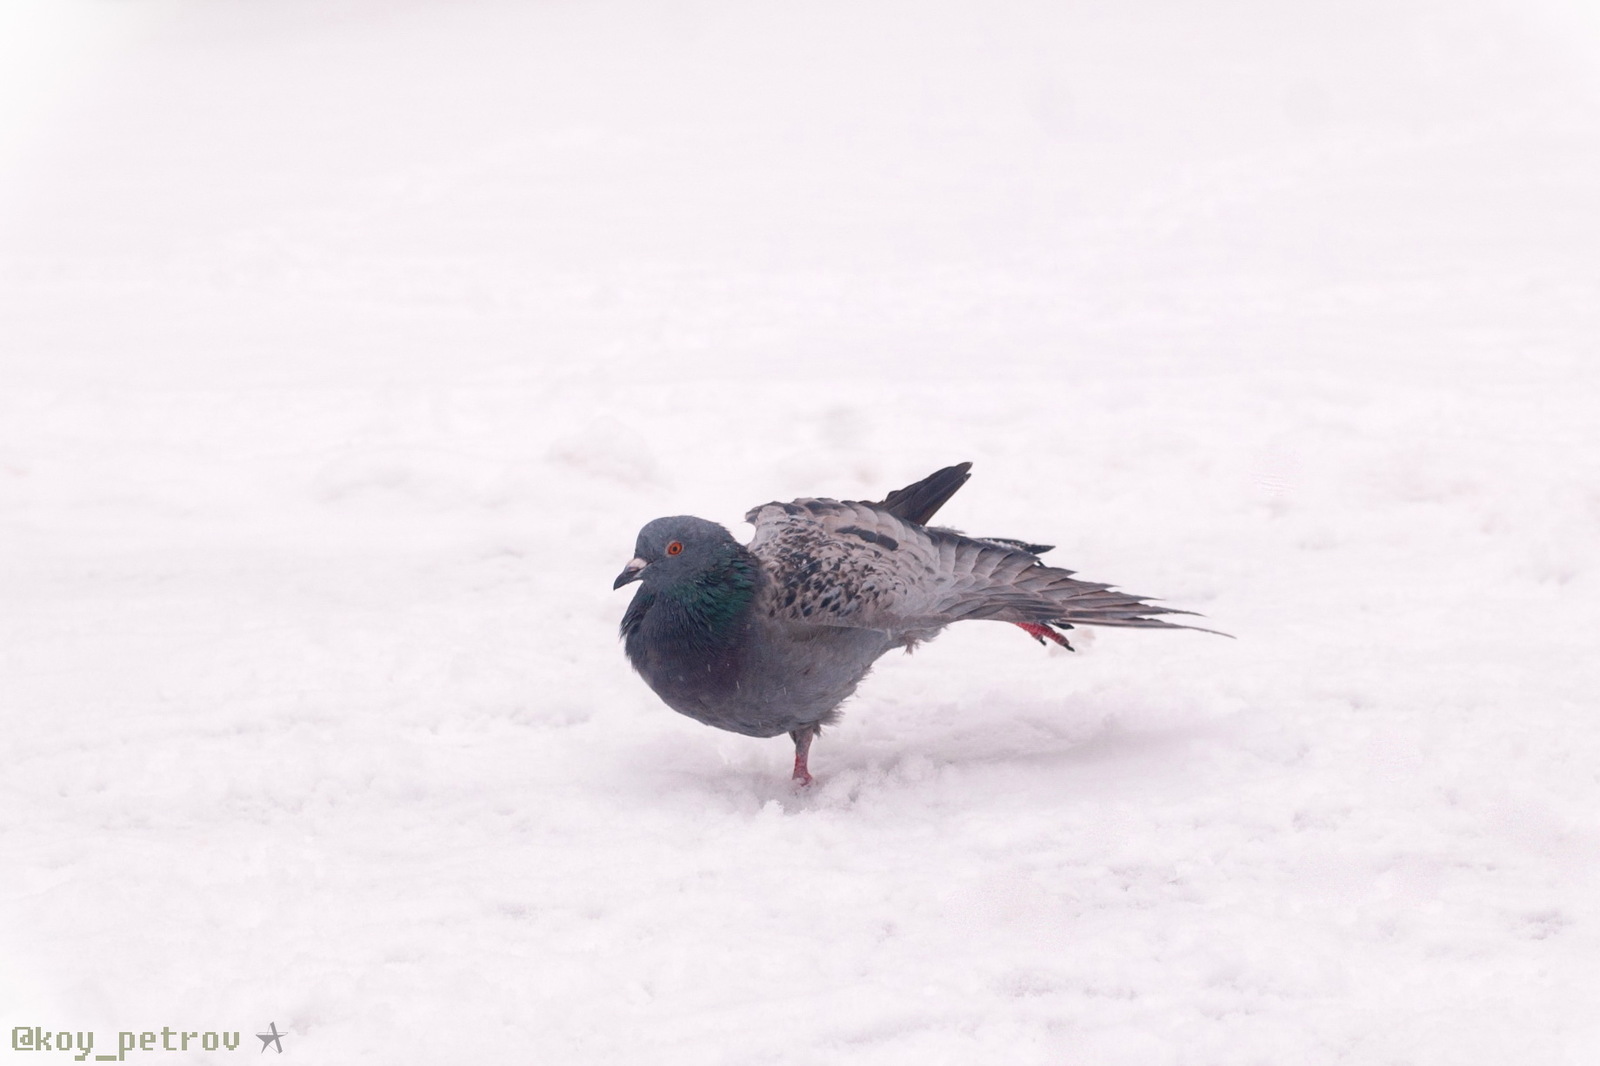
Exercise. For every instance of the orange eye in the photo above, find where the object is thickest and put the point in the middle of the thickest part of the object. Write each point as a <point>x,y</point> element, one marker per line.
<point>675,548</point>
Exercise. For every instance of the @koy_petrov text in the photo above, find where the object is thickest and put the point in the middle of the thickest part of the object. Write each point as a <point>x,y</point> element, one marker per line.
<point>81,1044</point>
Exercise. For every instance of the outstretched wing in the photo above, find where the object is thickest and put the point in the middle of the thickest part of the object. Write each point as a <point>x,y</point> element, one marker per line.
<point>844,563</point>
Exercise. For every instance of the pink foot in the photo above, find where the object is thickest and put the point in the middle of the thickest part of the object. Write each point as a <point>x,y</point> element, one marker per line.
<point>1041,633</point>
<point>802,747</point>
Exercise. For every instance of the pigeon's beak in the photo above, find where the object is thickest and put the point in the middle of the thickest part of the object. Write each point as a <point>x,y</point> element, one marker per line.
<point>630,573</point>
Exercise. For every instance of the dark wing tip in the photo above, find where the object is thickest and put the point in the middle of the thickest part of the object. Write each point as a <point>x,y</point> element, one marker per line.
<point>920,501</point>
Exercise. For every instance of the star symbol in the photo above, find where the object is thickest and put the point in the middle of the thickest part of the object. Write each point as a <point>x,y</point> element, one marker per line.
<point>270,1037</point>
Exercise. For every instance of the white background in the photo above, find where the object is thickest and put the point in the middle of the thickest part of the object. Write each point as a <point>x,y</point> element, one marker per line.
<point>345,346</point>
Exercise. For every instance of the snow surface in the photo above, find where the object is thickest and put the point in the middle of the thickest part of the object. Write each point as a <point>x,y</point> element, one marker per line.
<point>345,346</point>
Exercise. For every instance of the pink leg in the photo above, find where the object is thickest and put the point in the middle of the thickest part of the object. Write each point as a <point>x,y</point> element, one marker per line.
<point>1042,632</point>
<point>802,747</point>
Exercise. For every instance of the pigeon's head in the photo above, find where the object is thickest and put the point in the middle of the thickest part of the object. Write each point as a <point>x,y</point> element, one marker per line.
<point>670,549</point>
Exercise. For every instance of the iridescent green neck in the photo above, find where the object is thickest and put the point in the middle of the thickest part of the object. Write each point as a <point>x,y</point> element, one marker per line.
<point>718,596</point>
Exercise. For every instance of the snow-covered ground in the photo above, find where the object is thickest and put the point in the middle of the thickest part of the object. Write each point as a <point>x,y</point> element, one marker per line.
<point>345,346</point>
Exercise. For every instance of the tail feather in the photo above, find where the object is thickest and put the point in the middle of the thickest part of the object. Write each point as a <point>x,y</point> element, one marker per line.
<point>1091,603</point>
<point>1007,585</point>
<point>1117,609</point>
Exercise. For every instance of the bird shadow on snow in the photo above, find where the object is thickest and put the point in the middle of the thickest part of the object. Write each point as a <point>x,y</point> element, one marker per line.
<point>1019,745</point>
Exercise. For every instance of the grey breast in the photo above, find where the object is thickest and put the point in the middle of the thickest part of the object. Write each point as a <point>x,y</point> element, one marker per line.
<point>797,676</point>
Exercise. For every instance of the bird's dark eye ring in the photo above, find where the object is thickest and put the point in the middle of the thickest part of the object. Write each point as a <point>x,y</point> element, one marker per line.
<point>675,548</point>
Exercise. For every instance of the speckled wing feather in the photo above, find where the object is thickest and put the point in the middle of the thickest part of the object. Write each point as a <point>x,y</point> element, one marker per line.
<point>844,563</point>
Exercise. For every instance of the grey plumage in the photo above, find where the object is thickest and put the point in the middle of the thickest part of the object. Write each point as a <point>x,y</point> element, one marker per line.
<point>772,637</point>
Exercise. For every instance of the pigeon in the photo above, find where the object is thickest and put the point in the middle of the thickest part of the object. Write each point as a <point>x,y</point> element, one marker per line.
<point>772,636</point>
